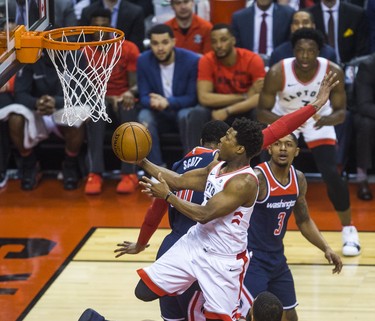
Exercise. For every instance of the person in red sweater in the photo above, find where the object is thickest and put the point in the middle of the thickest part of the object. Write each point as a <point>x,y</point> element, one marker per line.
<point>191,31</point>
<point>229,78</point>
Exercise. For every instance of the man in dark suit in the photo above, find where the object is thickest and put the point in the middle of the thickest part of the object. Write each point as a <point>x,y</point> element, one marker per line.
<point>167,86</point>
<point>147,6</point>
<point>301,19</point>
<point>247,25</point>
<point>364,121</point>
<point>126,16</point>
<point>351,26</point>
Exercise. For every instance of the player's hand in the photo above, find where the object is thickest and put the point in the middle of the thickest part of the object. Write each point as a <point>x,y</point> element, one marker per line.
<point>128,100</point>
<point>321,121</point>
<point>334,259</point>
<point>45,105</point>
<point>159,189</point>
<point>328,83</point>
<point>158,102</point>
<point>127,247</point>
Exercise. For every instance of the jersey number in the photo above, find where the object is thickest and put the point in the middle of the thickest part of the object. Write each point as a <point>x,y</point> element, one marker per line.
<point>281,218</point>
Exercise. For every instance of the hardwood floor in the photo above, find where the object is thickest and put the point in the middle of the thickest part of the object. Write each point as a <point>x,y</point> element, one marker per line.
<point>56,253</point>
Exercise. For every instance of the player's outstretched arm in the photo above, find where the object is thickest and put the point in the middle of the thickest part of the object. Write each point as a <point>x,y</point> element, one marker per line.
<point>151,222</point>
<point>308,228</point>
<point>128,247</point>
<point>241,190</point>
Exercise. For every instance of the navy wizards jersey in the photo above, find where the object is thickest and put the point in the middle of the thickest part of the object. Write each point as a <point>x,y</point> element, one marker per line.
<point>199,157</point>
<point>268,222</point>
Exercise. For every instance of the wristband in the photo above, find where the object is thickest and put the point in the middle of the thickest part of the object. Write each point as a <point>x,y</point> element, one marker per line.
<point>169,194</point>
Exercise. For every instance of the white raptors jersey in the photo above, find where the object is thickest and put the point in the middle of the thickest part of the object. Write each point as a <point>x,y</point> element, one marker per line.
<point>296,94</point>
<point>226,234</point>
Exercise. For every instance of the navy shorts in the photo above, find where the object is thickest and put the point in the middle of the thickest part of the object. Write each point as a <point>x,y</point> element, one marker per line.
<point>270,272</point>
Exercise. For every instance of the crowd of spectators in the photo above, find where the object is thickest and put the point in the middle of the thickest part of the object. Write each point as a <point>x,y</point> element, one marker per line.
<point>187,73</point>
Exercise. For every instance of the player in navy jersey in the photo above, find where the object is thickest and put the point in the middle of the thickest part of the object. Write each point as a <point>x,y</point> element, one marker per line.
<point>282,189</point>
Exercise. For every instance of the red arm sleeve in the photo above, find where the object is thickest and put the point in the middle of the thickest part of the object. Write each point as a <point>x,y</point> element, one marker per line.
<point>286,125</point>
<point>152,220</point>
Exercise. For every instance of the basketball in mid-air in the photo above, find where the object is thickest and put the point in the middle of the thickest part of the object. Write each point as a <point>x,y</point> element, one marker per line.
<point>131,142</point>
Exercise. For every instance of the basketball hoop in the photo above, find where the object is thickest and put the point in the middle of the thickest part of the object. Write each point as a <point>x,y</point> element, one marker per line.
<point>84,57</point>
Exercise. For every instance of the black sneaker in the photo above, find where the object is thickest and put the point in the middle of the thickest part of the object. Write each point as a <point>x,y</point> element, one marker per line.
<point>3,179</point>
<point>71,174</point>
<point>30,172</point>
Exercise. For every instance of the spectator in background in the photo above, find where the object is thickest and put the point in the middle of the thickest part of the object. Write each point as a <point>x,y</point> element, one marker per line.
<point>120,101</point>
<point>126,16</point>
<point>301,19</point>
<point>229,78</point>
<point>364,121</point>
<point>167,85</point>
<point>79,5</point>
<point>38,88</point>
<point>191,31</point>
<point>64,14</point>
<point>297,4</point>
<point>295,81</point>
<point>6,98</point>
<point>146,5</point>
<point>346,29</point>
<point>349,36</point>
<point>247,25</point>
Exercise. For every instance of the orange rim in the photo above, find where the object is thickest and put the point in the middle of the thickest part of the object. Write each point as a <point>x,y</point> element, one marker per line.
<point>29,44</point>
<point>50,37</point>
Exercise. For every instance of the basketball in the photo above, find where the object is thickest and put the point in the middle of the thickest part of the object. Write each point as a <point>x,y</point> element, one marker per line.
<point>131,142</point>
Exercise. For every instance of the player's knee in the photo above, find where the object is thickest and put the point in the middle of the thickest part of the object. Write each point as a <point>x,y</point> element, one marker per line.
<point>290,315</point>
<point>143,292</point>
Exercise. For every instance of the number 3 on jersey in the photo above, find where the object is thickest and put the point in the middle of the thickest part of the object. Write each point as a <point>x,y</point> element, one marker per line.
<point>281,218</point>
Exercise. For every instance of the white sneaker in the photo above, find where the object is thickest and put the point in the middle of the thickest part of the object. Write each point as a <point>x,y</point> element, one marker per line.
<point>350,241</point>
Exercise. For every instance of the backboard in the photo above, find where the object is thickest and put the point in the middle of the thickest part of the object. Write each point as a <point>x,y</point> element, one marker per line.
<point>35,15</point>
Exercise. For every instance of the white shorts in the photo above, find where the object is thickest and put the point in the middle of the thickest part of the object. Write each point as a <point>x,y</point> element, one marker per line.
<point>315,137</point>
<point>220,276</point>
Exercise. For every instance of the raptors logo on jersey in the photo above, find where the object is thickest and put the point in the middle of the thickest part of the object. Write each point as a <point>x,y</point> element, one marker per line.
<point>227,234</point>
<point>296,94</point>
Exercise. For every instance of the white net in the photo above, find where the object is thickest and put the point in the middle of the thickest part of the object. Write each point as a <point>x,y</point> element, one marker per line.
<point>84,74</point>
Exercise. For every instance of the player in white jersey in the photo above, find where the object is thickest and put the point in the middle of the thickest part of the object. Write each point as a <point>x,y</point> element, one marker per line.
<point>295,81</point>
<point>214,250</point>
<point>297,93</point>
